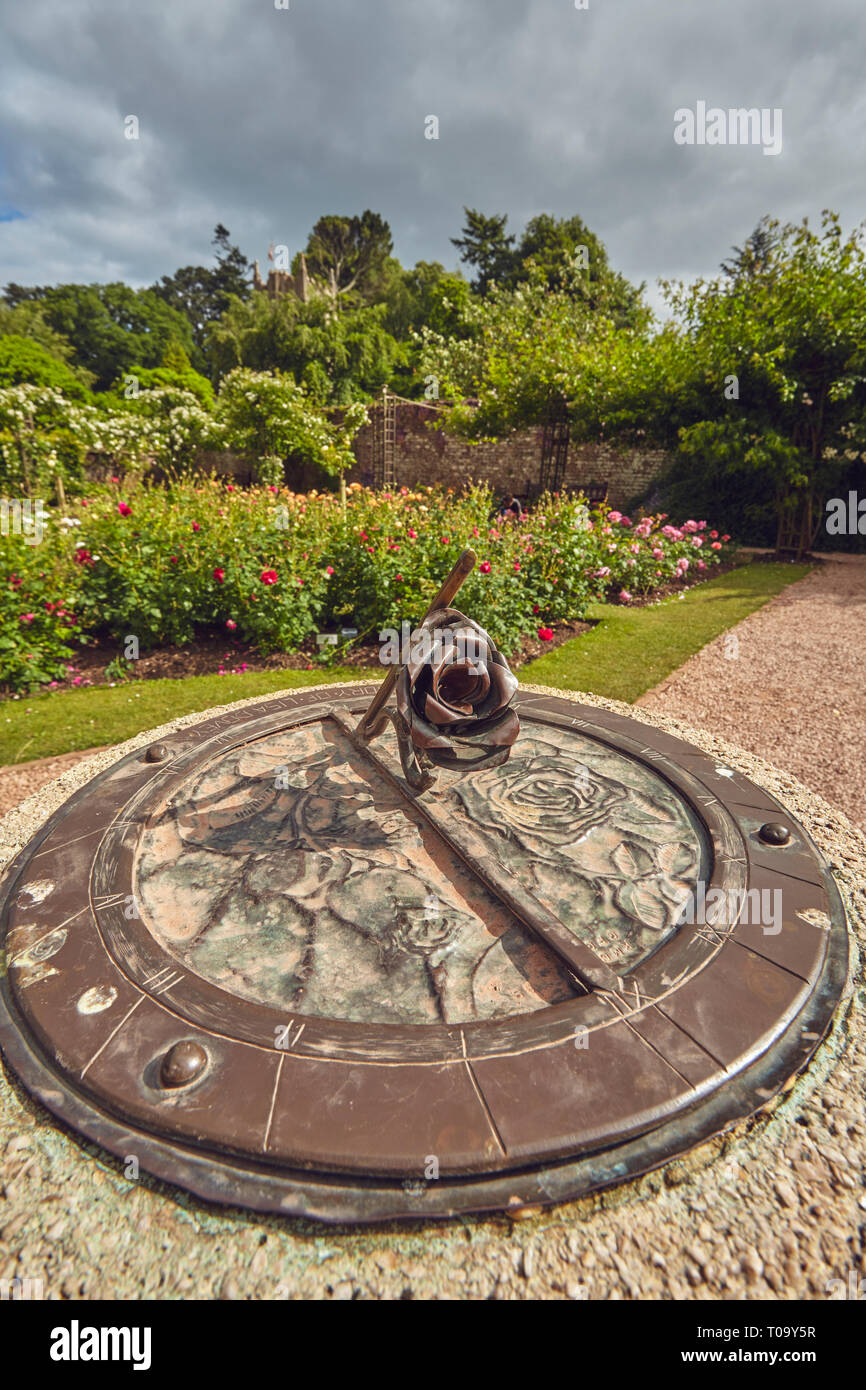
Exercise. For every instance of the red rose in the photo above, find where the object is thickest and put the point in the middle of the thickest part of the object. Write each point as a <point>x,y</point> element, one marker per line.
<point>219,575</point>
<point>268,576</point>
<point>485,567</point>
<point>546,634</point>
<point>124,509</point>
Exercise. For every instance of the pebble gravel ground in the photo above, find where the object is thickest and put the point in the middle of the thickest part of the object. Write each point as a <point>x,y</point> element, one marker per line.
<point>773,1210</point>
<point>23,779</point>
<point>789,683</point>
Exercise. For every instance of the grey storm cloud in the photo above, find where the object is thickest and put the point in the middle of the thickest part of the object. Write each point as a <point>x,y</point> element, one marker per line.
<point>265,118</point>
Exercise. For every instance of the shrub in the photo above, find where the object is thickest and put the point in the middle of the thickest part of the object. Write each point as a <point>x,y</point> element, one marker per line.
<point>275,567</point>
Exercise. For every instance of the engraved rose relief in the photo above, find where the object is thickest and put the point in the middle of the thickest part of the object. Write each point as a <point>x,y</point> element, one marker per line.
<point>292,874</point>
<point>598,839</point>
<point>322,896</point>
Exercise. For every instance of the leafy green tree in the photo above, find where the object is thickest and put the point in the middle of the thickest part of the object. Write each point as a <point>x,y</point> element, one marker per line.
<point>26,362</point>
<point>485,245</point>
<point>347,255</point>
<point>27,320</point>
<point>522,343</point>
<point>427,296</point>
<point>203,293</point>
<point>755,256</point>
<point>784,351</point>
<point>339,357</point>
<point>164,379</point>
<point>109,326</point>
<point>233,273</point>
<point>267,415</point>
<point>559,246</point>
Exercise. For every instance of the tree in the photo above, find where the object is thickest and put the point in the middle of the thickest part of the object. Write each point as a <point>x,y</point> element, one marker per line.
<point>267,415</point>
<point>558,247</point>
<point>108,326</point>
<point>174,374</point>
<point>520,344</point>
<point>756,255</point>
<point>202,293</point>
<point>758,381</point>
<point>339,357</point>
<point>25,362</point>
<point>26,319</point>
<point>232,275</point>
<point>347,254</point>
<point>561,245</point>
<point>485,245</point>
<point>792,336</point>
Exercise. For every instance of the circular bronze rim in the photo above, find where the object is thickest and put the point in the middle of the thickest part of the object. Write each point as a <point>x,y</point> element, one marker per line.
<point>702,1032</point>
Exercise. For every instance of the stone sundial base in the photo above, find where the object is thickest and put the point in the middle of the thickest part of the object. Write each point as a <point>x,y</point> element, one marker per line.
<point>246,955</point>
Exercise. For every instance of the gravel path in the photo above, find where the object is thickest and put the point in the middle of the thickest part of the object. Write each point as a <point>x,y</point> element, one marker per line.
<point>789,683</point>
<point>23,779</point>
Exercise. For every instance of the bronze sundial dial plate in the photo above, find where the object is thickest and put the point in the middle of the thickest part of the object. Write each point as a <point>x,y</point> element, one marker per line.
<point>252,959</point>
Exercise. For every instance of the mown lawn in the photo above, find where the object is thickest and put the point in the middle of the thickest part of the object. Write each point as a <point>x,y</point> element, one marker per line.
<point>630,650</point>
<point>43,725</point>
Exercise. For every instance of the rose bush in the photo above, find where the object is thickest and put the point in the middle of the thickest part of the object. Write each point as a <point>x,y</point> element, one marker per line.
<point>164,562</point>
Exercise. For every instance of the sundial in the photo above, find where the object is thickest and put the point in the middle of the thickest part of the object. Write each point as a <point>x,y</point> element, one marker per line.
<point>482,950</point>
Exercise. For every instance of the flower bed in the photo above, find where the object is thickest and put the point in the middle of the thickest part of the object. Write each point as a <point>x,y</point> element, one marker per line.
<point>144,565</point>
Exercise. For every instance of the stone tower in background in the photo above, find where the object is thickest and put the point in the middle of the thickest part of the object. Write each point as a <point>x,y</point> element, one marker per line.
<point>282,282</point>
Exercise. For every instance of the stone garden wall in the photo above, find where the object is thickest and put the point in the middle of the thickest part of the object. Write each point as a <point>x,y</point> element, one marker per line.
<point>425,454</point>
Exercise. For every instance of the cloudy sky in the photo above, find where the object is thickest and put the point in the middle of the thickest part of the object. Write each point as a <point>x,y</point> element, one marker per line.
<point>266,118</point>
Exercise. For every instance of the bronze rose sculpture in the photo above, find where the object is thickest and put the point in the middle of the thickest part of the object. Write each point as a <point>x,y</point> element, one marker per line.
<point>453,698</point>
<point>453,694</point>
